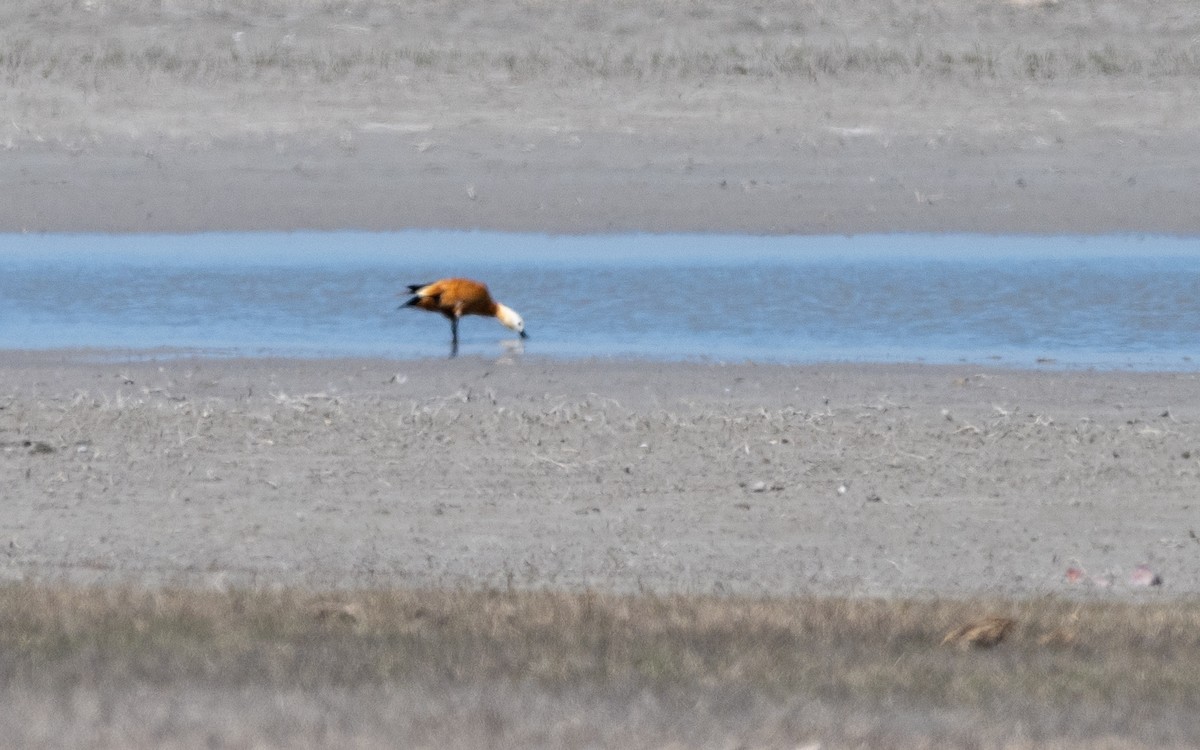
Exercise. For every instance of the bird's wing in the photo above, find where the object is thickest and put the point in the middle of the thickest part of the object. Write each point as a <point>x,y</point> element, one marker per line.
<point>464,289</point>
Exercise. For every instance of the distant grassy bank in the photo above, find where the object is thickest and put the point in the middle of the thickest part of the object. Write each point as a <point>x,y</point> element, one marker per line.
<point>1070,673</point>
<point>210,67</point>
<point>824,116</point>
<point>101,47</point>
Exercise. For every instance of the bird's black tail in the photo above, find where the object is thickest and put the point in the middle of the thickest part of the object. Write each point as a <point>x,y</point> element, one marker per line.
<point>412,288</point>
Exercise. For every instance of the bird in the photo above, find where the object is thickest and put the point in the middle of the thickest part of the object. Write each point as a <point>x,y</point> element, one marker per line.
<point>457,297</point>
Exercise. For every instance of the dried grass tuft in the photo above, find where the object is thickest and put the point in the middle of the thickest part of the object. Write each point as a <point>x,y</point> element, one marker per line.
<point>1097,671</point>
<point>985,633</point>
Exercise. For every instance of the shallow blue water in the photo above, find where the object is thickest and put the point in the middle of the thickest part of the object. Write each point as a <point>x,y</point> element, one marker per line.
<point>1107,302</point>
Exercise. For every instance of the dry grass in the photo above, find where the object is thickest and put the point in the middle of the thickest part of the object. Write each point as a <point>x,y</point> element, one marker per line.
<point>985,633</point>
<point>103,65</point>
<point>104,45</point>
<point>520,668</point>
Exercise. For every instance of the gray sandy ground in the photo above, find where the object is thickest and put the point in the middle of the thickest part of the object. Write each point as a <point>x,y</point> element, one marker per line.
<point>871,480</point>
<point>820,117</point>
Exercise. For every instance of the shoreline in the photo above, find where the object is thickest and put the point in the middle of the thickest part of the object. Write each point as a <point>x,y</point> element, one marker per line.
<point>118,355</point>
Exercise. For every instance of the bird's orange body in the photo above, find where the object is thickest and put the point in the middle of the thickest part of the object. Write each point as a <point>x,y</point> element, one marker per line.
<point>455,298</point>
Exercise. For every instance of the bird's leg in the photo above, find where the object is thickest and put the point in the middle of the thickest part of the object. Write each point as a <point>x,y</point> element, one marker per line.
<point>453,336</point>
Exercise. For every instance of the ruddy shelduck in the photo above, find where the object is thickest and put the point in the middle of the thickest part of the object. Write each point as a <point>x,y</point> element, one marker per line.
<point>455,298</point>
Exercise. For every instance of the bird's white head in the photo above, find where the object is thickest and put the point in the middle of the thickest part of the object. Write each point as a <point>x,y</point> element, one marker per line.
<point>509,317</point>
